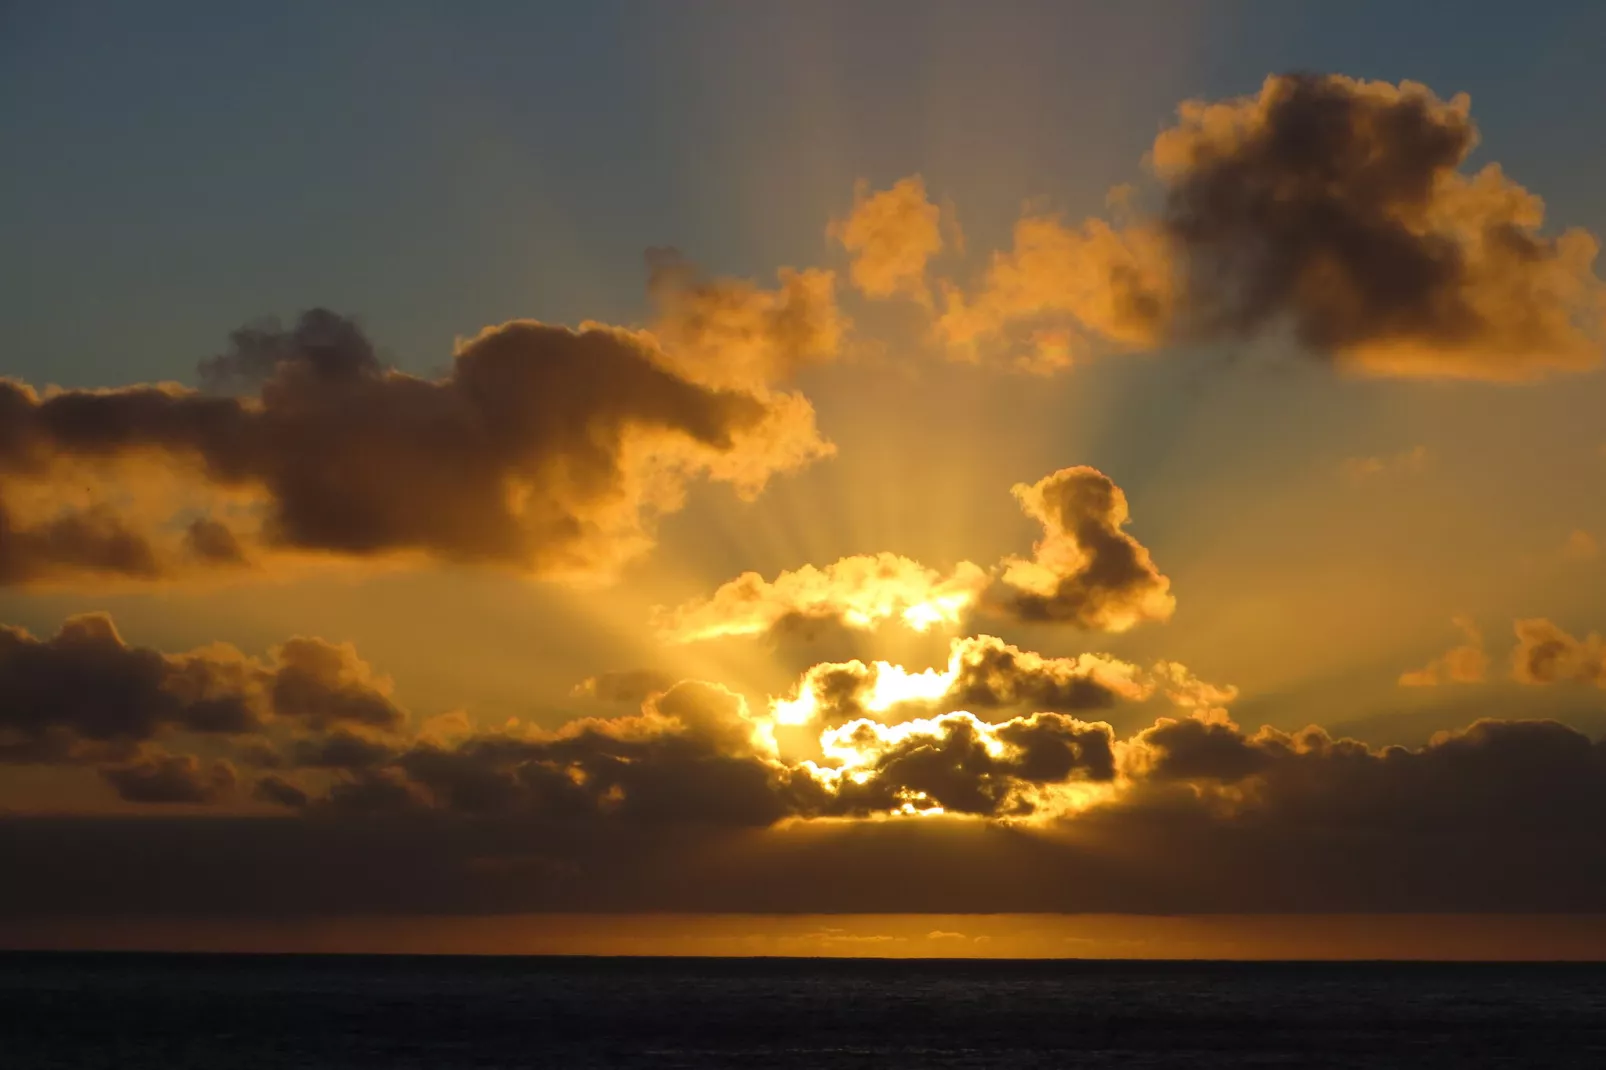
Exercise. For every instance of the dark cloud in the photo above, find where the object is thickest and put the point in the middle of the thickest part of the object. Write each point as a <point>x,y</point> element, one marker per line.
<point>961,764</point>
<point>1501,817</point>
<point>171,778</point>
<point>543,449</point>
<point>1086,570</point>
<point>86,695</point>
<point>1334,208</point>
<point>73,542</point>
<point>275,789</point>
<point>324,343</point>
<point>1339,206</point>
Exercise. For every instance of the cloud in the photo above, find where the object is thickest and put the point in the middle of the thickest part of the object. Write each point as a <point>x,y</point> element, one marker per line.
<point>732,334</point>
<point>689,803</point>
<point>892,234</point>
<point>985,674</point>
<point>86,695</point>
<point>544,449</point>
<point>1060,288</point>
<point>171,778</point>
<point>1464,664</point>
<point>957,763</point>
<point>1332,207</point>
<point>631,687</point>
<point>1340,205</point>
<point>858,592</point>
<point>1085,570</point>
<point>1546,654</point>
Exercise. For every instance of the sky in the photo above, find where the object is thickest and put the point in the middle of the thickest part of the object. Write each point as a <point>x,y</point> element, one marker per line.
<point>713,461</point>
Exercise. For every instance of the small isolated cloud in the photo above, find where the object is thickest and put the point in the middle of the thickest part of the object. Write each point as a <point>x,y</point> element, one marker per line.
<point>1463,664</point>
<point>891,235</point>
<point>1086,570</point>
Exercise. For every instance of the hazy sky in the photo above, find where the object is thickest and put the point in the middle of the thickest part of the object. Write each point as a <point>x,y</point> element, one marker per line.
<point>523,542</point>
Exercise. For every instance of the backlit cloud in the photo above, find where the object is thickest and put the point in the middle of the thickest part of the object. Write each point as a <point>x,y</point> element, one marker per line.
<point>544,450</point>
<point>858,592</point>
<point>734,334</point>
<point>1086,570</point>
<point>1332,206</point>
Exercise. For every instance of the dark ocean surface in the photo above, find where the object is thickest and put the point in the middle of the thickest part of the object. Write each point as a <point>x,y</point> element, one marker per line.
<point>225,1012</point>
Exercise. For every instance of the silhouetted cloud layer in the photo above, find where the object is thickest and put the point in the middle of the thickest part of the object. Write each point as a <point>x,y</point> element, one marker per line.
<point>544,449</point>
<point>691,802</point>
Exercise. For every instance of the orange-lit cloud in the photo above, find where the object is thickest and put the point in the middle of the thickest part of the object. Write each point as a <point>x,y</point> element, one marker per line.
<point>1060,288</point>
<point>1086,570</point>
<point>1546,654</point>
<point>857,592</point>
<point>733,334</point>
<point>891,234</point>
<point>1466,663</point>
<point>545,450</point>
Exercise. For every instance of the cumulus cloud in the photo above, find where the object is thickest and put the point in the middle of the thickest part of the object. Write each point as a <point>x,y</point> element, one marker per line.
<point>958,763</point>
<point>1463,664</point>
<point>1546,654</point>
<point>1086,570</point>
<point>859,592</point>
<point>1333,207</point>
<point>544,449</point>
<point>86,695</point>
<point>891,234</point>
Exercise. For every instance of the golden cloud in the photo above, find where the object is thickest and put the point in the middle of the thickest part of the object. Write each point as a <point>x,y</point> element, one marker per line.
<point>1463,664</point>
<point>859,592</point>
<point>891,234</point>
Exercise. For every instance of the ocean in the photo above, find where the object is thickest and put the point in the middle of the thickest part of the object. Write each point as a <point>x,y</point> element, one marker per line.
<point>242,1012</point>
